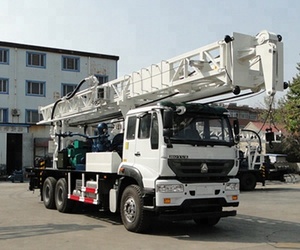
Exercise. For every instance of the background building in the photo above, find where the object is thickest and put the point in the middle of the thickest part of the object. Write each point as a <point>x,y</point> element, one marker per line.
<point>33,76</point>
<point>249,119</point>
<point>244,113</point>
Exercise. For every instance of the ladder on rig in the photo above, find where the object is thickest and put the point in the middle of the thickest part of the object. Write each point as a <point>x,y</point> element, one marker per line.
<point>232,64</point>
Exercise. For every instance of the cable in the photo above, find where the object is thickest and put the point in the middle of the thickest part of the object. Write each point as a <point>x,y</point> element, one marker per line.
<point>67,97</point>
<point>272,121</point>
<point>269,111</point>
<point>159,99</point>
<point>254,94</point>
<point>235,97</point>
<point>228,74</point>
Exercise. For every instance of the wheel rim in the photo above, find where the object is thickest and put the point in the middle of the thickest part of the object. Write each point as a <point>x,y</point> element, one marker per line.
<point>60,196</point>
<point>130,209</point>
<point>47,193</point>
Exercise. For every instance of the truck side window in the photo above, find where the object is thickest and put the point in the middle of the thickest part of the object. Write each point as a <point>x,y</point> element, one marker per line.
<point>144,128</point>
<point>130,135</point>
<point>154,132</point>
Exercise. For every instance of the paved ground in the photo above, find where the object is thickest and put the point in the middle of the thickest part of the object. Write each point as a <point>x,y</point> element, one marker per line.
<point>268,218</point>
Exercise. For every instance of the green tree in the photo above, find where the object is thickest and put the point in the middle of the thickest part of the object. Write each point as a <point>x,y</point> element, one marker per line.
<point>290,110</point>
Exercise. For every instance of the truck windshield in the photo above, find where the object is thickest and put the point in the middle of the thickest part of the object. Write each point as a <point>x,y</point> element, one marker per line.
<point>207,130</point>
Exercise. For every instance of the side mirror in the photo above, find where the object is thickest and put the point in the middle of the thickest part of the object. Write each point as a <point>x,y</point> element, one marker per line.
<point>168,118</point>
<point>236,130</point>
<point>168,124</point>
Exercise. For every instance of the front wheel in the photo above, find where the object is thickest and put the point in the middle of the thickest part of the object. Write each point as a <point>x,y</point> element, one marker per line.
<point>63,204</point>
<point>248,182</point>
<point>207,222</point>
<point>134,218</point>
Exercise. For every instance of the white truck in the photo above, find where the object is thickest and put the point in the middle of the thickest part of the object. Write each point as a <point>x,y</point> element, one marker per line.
<point>174,158</point>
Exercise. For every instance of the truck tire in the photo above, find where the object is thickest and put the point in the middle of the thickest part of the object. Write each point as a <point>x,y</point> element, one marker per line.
<point>248,182</point>
<point>134,218</point>
<point>63,204</point>
<point>209,221</point>
<point>48,192</point>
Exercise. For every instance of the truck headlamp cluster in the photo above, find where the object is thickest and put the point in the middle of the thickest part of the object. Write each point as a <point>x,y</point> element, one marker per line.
<point>170,188</point>
<point>232,186</point>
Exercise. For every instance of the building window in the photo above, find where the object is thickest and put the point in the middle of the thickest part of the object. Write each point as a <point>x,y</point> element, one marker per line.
<point>35,59</point>
<point>70,63</point>
<point>3,86</point>
<point>253,117</point>
<point>32,116</point>
<point>233,114</point>
<point>35,88</point>
<point>102,78</point>
<point>67,88</point>
<point>3,115</point>
<point>244,115</point>
<point>4,56</point>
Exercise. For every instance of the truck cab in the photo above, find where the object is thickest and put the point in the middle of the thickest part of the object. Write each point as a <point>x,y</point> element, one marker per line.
<point>184,169</point>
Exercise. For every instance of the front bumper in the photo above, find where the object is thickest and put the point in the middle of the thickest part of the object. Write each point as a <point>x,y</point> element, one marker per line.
<point>197,192</point>
<point>197,200</point>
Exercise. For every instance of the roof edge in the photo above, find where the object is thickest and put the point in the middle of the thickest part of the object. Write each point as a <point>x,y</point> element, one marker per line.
<point>56,50</point>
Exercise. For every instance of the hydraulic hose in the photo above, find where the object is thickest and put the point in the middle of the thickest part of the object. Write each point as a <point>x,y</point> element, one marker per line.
<point>71,94</point>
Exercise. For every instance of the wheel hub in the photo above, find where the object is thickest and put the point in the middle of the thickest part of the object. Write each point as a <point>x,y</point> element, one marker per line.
<point>130,209</point>
<point>60,196</point>
<point>47,193</point>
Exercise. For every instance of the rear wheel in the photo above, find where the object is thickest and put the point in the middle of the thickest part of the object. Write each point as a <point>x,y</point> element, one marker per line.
<point>48,192</point>
<point>134,218</point>
<point>63,204</point>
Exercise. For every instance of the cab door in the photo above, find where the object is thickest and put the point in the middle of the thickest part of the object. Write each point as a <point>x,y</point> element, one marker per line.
<point>129,140</point>
<point>146,154</point>
<point>141,146</point>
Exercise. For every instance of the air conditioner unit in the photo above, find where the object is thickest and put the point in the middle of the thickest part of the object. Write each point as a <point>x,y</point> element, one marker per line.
<point>15,112</point>
<point>56,95</point>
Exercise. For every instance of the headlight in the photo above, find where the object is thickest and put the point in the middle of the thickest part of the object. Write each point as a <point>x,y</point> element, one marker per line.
<point>232,186</point>
<point>170,188</point>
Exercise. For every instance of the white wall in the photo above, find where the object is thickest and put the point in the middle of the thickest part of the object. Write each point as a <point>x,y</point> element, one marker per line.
<point>17,72</point>
<point>53,75</point>
<point>2,148</point>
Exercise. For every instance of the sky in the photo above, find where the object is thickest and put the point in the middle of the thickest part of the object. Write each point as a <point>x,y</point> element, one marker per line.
<point>143,32</point>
